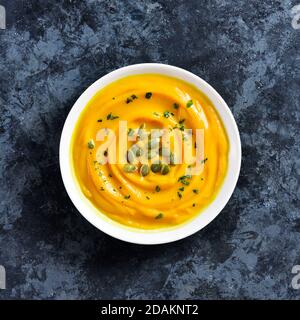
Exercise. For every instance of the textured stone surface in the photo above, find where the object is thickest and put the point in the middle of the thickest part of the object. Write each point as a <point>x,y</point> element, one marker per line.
<point>52,50</point>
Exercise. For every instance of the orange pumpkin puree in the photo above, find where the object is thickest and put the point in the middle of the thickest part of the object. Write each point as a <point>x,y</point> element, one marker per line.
<point>155,200</point>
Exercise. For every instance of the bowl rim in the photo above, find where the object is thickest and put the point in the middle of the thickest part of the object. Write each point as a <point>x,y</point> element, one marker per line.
<point>117,230</point>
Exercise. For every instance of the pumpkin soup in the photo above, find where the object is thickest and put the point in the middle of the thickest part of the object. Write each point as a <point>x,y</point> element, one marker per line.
<point>150,151</point>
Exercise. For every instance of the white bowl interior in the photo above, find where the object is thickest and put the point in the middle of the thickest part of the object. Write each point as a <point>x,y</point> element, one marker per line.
<point>115,229</point>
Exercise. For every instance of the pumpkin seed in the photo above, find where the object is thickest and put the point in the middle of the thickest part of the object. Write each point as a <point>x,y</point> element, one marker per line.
<point>165,169</point>
<point>130,156</point>
<point>136,150</point>
<point>145,170</point>
<point>139,152</point>
<point>155,167</point>
<point>129,168</point>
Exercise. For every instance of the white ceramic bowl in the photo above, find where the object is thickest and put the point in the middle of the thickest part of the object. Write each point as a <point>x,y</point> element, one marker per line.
<point>115,229</point>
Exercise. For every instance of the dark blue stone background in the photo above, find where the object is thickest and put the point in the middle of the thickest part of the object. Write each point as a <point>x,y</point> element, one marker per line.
<point>52,50</point>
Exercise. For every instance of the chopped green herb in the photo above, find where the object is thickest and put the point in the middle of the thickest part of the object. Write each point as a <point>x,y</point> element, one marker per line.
<point>194,204</point>
<point>180,127</point>
<point>203,161</point>
<point>166,114</point>
<point>105,153</point>
<point>148,95</point>
<point>127,197</point>
<point>179,194</point>
<point>185,182</point>
<point>181,189</point>
<point>184,179</point>
<point>99,120</point>
<point>102,189</point>
<point>111,117</point>
<point>133,96</point>
<point>159,216</point>
<point>196,191</point>
<point>110,175</point>
<point>156,114</point>
<point>176,105</point>
<point>189,103</point>
<point>157,188</point>
<point>147,198</point>
<point>130,132</point>
<point>91,144</point>
<point>181,121</point>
